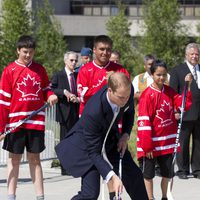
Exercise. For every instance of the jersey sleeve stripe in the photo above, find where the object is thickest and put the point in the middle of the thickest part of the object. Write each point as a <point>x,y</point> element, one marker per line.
<point>143,118</point>
<point>27,122</point>
<point>4,103</point>
<point>25,114</point>
<point>82,94</point>
<point>6,94</point>
<point>144,128</point>
<point>164,137</point>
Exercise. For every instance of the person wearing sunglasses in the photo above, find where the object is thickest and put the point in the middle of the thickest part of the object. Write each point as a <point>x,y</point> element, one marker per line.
<point>64,86</point>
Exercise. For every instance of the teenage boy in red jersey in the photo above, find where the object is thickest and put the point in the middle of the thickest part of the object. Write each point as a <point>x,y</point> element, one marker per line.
<point>24,88</point>
<point>92,76</point>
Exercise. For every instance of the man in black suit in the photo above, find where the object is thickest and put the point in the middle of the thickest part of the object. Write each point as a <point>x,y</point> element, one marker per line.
<point>93,145</point>
<point>191,119</point>
<point>64,86</point>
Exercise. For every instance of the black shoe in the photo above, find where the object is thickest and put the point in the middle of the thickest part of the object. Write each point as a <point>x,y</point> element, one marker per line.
<point>196,176</point>
<point>164,198</point>
<point>183,176</point>
<point>64,173</point>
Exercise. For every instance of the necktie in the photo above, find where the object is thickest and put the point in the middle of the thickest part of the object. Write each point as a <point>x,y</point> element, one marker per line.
<point>194,73</point>
<point>72,84</point>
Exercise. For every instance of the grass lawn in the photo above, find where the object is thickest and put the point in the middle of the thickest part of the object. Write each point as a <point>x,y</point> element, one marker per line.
<point>132,143</point>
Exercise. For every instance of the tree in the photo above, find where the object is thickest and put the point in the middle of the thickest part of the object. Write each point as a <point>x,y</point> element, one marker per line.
<point>198,30</point>
<point>14,22</point>
<point>164,36</point>
<point>118,28</point>
<point>51,45</point>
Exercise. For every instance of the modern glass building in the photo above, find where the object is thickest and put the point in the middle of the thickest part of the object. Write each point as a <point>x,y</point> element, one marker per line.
<point>81,20</point>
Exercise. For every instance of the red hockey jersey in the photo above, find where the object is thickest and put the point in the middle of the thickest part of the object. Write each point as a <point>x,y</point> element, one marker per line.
<point>157,126</point>
<point>23,89</point>
<point>92,77</point>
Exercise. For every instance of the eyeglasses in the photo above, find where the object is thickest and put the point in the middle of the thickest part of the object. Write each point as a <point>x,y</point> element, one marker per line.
<point>73,60</point>
<point>150,63</point>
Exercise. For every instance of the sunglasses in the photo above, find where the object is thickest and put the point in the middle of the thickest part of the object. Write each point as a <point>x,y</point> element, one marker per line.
<point>73,60</point>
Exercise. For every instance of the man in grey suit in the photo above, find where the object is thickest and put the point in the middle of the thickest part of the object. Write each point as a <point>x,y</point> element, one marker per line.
<point>93,145</point>
<point>191,119</point>
<point>64,86</point>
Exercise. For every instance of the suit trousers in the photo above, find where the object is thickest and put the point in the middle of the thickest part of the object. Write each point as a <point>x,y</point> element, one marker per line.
<point>189,128</point>
<point>64,129</point>
<point>132,179</point>
<point>132,176</point>
<point>90,185</point>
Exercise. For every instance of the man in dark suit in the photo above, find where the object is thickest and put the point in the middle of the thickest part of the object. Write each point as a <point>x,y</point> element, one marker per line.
<point>191,119</point>
<point>64,86</point>
<point>93,145</point>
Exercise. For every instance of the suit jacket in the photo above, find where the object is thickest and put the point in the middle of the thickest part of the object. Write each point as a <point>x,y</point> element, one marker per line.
<point>177,81</point>
<point>81,149</point>
<point>63,107</point>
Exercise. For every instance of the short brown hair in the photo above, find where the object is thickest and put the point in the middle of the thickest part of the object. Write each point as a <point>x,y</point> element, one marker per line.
<point>117,80</point>
<point>103,39</point>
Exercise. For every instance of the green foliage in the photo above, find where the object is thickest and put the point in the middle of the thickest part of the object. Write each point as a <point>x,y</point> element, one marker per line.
<point>118,28</point>
<point>14,22</point>
<point>198,30</point>
<point>55,163</point>
<point>164,36</point>
<point>132,144</point>
<point>50,43</point>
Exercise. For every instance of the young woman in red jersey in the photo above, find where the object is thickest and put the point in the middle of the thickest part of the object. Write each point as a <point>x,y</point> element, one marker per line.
<point>157,127</point>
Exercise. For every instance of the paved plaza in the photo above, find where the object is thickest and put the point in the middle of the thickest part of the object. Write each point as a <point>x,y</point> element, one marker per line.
<point>59,187</point>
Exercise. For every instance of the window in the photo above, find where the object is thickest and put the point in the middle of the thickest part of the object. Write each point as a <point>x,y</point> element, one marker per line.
<point>114,10</point>
<point>197,11</point>
<point>189,12</point>
<point>133,11</point>
<point>105,10</point>
<point>96,11</point>
<point>87,11</point>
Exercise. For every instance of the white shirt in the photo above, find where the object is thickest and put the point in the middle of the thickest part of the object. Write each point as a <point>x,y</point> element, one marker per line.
<point>197,70</point>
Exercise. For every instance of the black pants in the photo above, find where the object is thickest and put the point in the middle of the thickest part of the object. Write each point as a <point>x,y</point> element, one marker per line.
<point>64,129</point>
<point>190,128</point>
<point>132,179</point>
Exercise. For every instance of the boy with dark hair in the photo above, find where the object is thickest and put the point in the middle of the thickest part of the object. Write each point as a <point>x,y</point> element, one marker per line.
<point>92,76</point>
<point>24,87</point>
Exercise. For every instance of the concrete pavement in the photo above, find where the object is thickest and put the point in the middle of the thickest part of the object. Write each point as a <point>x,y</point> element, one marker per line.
<point>59,187</point>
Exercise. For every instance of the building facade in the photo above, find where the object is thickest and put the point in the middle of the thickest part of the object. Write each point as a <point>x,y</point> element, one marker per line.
<point>82,20</point>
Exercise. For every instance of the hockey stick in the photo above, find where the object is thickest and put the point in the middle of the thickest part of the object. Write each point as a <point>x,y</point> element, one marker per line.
<point>120,175</point>
<point>19,123</point>
<point>169,193</point>
<point>120,172</point>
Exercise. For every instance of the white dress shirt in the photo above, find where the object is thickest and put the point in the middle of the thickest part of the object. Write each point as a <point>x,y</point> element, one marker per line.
<point>197,71</point>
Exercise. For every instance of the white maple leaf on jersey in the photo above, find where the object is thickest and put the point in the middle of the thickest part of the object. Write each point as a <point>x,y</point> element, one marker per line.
<point>165,112</point>
<point>29,87</point>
